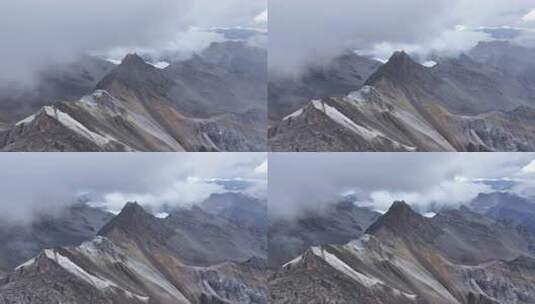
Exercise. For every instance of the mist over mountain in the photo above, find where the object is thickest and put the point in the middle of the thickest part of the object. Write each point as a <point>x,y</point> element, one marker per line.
<point>303,33</point>
<point>457,256</point>
<point>401,228</point>
<point>356,77</point>
<point>198,104</point>
<point>160,182</point>
<point>64,30</point>
<point>159,77</point>
<point>139,258</point>
<point>134,228</point>
<point>316,181</point>
<point>483,101</point>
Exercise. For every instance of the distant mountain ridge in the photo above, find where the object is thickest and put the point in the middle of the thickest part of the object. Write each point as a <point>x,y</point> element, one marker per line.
<point>343,222</point>
<point>71,226</point>
<point>343,74</point>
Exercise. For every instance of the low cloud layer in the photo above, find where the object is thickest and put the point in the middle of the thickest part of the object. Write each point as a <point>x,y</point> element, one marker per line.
<point>37,183</point>
<point>38,33</point>
<point>304,32</point>
<point>316,181</point>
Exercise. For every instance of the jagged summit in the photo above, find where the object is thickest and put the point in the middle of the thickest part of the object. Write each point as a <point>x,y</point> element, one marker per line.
<point>399,68</point>
<point>400,206</point>
<point>133,59</point>
<point>400,209</point>
<point>132,219</point>
<point>402,220</point>
<point>133,209</point>
<point>400,57</point>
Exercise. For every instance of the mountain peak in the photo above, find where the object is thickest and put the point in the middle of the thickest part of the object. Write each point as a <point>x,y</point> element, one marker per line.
<point>402,60</point>
<point>399,68</point>
<point>400,56</point>
<point>136,74</point>
<point>401,219</point>
<point>400,208</point>
<point>133,208</point>
<point>132,218</point>
<point>133,59</point>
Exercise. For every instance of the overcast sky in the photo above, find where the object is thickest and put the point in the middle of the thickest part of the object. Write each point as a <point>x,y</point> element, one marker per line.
<point>316,180</point>
<point>36,33</point>
<point>303,31</point>
<point>34,183</point>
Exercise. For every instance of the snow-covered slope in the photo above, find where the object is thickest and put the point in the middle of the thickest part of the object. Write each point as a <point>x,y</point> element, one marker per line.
<point>102,122</point>
<point>368,120</point>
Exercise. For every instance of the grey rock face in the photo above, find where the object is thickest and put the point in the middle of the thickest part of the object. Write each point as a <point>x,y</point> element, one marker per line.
<point>100,122</point>
<point>510,210</point>
<point>507,208</point>
<point>246,213</point>
<point>366,120</point>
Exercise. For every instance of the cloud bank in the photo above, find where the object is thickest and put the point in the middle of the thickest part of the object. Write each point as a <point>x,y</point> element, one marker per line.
<point>38,33</point>
<point>304,32</point>
<point>37,183</point>
<point>425,180</point>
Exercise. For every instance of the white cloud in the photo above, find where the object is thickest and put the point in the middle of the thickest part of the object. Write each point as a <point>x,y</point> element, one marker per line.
<point>262,18</point>
<point>262,168</point>
<point>529,17</point>
<point>179,194</point>
<point>529,168</point>
<point>451,193</point>
<point>110,180</point>
<point>182,45</point>
<point>41,33</point>
<point>305,32</point>
<point>316,180</point>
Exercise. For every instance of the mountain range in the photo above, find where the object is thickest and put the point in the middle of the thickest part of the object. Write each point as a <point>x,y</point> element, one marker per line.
<point>227,249</point>
<point>480,101</point>
<point>191,256</point>
<point>214,101</point>
<point>457,256</point>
